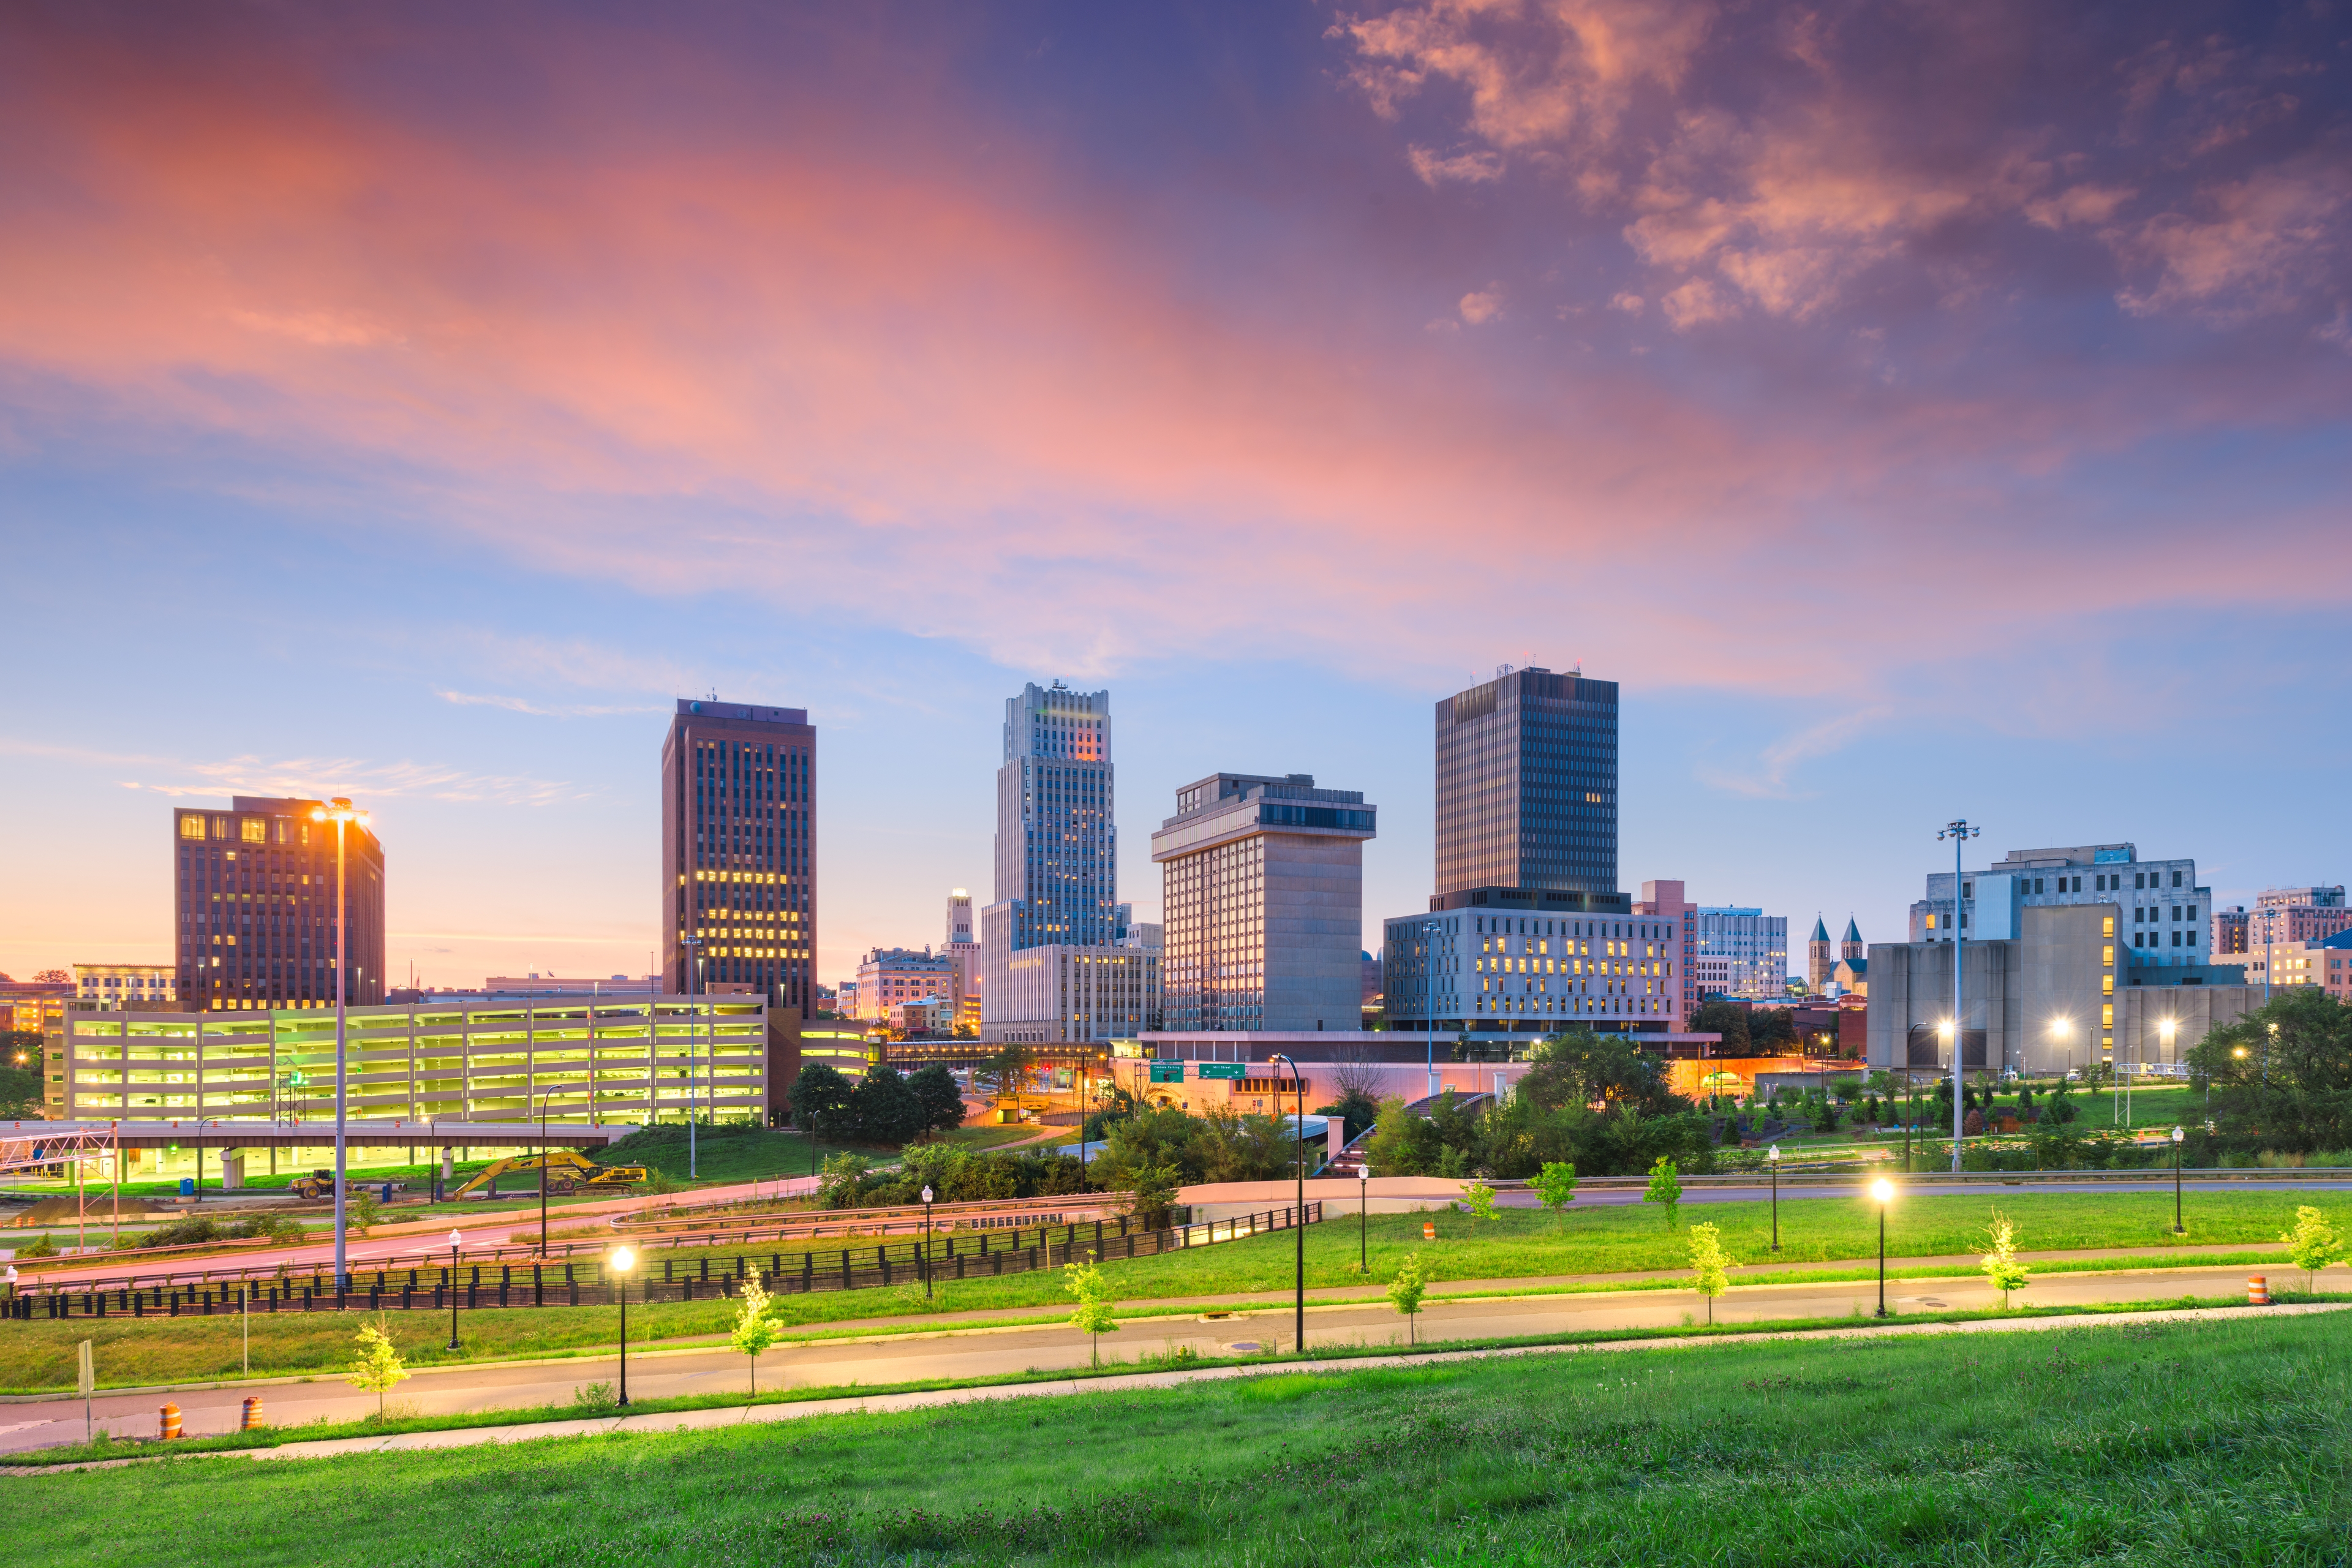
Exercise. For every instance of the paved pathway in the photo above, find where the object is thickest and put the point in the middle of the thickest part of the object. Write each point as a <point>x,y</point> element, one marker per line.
<point>731,1416</point>
<point>946,1351</point>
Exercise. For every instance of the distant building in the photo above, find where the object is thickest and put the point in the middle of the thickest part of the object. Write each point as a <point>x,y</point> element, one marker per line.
<point>2164,912</point>
<point>570,986</point>
<point>1741,951</point>
<point>2229,930</point>
<point>2337,952</point>
<point>888,977</point>
<point>1817,957</point>
<point>2296,914</point>
<point>255,916</point>
<point>2298,963</point>
<point>931,1015</point>
<point>1264,897</point>
<point>1527,784</point>
<point>126,985</point>
<point>845,999</point>
<point>962,949</point>
<point>1519,968</point>
<point>739,850</point>
<point>1053,994</point>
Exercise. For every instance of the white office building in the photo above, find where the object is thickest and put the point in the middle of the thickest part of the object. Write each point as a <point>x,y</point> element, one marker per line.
<point>1740,953</point>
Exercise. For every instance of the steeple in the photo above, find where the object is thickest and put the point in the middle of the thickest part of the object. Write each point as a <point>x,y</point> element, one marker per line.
<point>1818,963</point>
<point>1850,945</point>
<point>1821,931</point>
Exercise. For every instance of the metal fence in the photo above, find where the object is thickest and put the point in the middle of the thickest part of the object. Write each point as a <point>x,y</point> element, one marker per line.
<point>478,1286</point>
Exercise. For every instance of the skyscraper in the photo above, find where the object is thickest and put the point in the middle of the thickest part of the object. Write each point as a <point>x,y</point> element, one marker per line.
<point>1264,907</point>
<point>739,850</point>
<point>1527,784</point>
<point>254,890</point>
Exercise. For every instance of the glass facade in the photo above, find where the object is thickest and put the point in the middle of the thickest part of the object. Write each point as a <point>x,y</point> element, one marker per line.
<point>738,851</point>
<point>1056,844</point>
<point>254,890</point>
<point>1527,784</point>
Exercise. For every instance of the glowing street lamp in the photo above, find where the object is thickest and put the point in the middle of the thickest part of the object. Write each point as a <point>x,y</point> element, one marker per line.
<point>1959,833</point>
<point>454,1239</point>
<point>339,812</point>
<point>1882,1191</point>
<point>1776,1196</point>
<point>2178,1229</point>
<point>621,1261</point>
<point>1298,1215</point>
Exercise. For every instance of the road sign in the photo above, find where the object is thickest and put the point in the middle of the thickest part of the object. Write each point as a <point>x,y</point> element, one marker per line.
<point>1168,1072</point>
<point>1223,1069</point>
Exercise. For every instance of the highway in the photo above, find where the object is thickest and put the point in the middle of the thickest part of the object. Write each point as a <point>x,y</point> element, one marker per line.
<point>998,1352</point>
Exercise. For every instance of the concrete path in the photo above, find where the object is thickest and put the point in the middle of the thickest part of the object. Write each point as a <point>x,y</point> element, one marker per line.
<point>947,1351</point>
<point>732,1415</point>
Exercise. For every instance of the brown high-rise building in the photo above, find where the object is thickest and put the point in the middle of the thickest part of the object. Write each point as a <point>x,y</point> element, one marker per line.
<point>254,907</point>
<point>739,850</point>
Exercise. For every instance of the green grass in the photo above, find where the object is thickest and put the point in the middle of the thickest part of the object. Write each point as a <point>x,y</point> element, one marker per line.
<point>1520,1244</point>
<point>2199,1444</point>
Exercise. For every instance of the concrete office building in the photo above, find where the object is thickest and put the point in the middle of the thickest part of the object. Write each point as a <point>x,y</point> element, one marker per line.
<point>738,851</point>
<point>2296,914</point>
<point>961,947</point>
<point>1519,967</point>
<point>1740,953</point>
<point>135,987</point>
<point>1054,965</point>
<point>254,892</point>
<point>2066,950</point>
<point>1264,880</point>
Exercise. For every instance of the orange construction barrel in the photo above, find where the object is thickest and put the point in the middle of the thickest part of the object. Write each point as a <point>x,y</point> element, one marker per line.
<point>171,1421</point>
<point>2258,1290</point>
<point>251,1420</point>
<point>1429,1230</point>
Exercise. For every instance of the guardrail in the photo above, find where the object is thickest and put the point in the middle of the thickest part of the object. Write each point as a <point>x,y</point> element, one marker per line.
<point>1790,1178</point>
<point>429,1287</point>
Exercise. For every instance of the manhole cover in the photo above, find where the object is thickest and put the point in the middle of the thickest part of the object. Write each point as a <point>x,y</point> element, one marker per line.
<point>1927,1300</point>
<point>1245,1347</point>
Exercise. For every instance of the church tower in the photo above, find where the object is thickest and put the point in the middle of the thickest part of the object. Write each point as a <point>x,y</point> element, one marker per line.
<point>1850,946</point>
<point>1818,963</point>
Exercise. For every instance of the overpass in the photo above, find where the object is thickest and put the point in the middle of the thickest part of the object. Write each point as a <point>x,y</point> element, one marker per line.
<point>26,1143</point>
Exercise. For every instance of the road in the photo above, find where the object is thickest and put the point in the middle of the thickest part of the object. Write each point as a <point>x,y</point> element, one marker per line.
<point>999,1352</point>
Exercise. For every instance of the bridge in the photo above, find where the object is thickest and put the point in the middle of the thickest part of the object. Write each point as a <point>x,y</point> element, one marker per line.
<point>24,1145</point>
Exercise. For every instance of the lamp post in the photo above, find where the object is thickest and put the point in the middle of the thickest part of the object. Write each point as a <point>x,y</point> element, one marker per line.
<point>1364,1217</point>
<point>1959,833</point>
<point>1298,1215</point>
<point>927,1244</point>
<point>2178,1137</point>
<point>542,1173</point>
<point>1775,1161</point>
<point>454,1239</point>
<point>340,814</point>
<point>1429,996</point>
<point>694,943</point>
<point>1882,1191</point>
<point>622,1260</point>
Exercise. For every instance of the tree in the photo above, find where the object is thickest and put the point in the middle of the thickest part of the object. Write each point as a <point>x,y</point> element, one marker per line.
<point>884,1108</point>
<point>1709,1264</point>
<point>1556,1185</point>
<point>52,977</point>
<point>1481,1199</point>
<point>1405,1291</point>
<point>1404,1144</point>
<point>1771,1029</point>
<point>820,1099</point>
<point>755,1329</point>
<point>936,1094</point>
<point>1004,1075</point>
<point>1729,1019</point>
<point>845,1175</point>
<point>378,1369</point>
<point>1092,1315</point>
<point>2313,1244</point>
<point>2280,1076</point>
<point>1666,1188</point>
<point>2002,1270</point>
<point>1151,1192</point>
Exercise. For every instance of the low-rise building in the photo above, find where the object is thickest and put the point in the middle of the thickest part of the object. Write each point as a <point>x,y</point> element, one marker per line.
<point>126,985</point>
<point>2162,915</point>
<point>2283,915</point>
<point>1739,952</point>
<point>1521,961</point>
<point>888,976</point>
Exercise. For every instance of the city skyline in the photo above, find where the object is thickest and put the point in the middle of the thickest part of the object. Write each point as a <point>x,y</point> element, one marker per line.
<point>1898,459</point>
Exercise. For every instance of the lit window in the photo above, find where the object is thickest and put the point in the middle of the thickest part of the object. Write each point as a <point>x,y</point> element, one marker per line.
<point>192,827</point>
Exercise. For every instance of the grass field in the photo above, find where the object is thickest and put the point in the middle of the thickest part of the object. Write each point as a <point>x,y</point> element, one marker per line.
<point>2180,1444</point>
<point>1520,1244</point>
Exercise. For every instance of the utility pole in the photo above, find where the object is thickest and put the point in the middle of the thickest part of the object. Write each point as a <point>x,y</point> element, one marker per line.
<point>1959,833</point>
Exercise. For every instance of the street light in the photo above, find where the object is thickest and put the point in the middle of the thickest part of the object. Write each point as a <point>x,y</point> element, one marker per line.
<point>340,814</point>
<point>2178,1137</point>
<point>927,1244</point>
<point>692,1171</point>
<point>621,1261</point>
<point>1298,1216</point>
<point>543,1171</point>
<point>1429,996</point>
<point>454,1239</point>
<point>1882,1191</point>
<point>1364,1215</point>
<point>1775,1197</point>
<point>1959,833</point>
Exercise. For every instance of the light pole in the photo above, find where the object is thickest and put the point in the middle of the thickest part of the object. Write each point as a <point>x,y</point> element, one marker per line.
<point>542,1173</point>
<point>1429,996</point>
<point>1959,833</point>
<point>1883,1190</point>
<point>340,814</point>
<point>622,1260</point>
<point>1775,1160</point>
<point>1364,1217</point>
<point>2178,1229</point>
<point>927,1244</point>
<point>693,1008</point>
<point>454,1239</point>
<point>1298,1215</point>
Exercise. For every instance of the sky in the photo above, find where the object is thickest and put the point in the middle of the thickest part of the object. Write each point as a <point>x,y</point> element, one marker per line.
<point>1921,411</point>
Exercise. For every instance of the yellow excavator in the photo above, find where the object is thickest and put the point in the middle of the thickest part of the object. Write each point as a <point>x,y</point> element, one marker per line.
<point>568,1171</point>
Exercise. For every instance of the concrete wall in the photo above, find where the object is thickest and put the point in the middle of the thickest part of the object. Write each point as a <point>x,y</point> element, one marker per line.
<point>1314,931</point>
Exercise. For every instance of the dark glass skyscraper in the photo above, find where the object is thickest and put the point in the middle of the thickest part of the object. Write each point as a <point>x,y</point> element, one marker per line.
<point>256,890</point>
<point>739,850</point>
<point>1527,784</point>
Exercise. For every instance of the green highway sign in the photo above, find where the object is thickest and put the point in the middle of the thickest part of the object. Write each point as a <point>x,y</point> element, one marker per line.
<point>1168,1072</point>
<point>1221,1069</point>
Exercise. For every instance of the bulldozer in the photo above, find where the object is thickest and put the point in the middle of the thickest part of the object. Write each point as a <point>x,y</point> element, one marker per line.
<point>567,1170</point>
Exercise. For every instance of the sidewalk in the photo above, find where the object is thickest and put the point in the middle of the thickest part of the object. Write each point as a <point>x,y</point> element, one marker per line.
<point>703,1420</point>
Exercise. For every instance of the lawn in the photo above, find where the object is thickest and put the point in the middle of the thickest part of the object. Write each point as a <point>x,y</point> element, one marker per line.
<point>2197,1444</point>
<point>1519,1243</point>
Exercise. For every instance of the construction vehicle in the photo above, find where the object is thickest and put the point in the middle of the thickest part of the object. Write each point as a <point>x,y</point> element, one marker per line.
<point>567,1170</point>
<point>321,1184</point>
